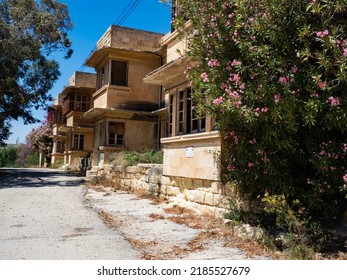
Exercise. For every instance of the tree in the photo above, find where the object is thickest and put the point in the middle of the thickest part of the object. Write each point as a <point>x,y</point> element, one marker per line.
<point>8,156</point>
<point>30,30</point>
<point>273,73</point>
<point>40,140</point>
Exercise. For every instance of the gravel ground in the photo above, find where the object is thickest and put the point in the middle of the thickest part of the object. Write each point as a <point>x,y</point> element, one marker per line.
<point>158,231</point>
<point>51,215</point>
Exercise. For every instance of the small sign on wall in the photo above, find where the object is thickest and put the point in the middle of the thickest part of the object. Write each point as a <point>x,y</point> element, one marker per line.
<point>190,152</point>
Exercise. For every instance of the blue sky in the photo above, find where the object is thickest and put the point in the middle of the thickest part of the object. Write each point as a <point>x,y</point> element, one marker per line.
<point>91,19</point>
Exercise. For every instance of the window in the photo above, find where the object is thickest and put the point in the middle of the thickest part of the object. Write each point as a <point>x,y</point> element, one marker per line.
<point>60,146</point>
<point>102,134</point>
<point>186,117</point>
<point>119,73</point>
<point>100,76</point>
<point>115,133</point>
<point>78,142</point>
<point>171,110</point>
<point>82,102</point>
<point>198,124</point>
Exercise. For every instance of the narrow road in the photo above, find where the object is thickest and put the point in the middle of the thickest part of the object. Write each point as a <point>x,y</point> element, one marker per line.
<point>43,217</point>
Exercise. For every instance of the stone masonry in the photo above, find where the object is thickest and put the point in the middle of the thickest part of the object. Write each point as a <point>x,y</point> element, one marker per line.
<point>203,196</point>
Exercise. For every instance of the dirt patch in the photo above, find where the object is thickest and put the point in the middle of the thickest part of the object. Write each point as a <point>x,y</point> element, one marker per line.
<point>160,231</point>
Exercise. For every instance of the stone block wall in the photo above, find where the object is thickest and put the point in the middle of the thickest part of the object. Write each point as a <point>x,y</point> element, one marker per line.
<point>204,196</point>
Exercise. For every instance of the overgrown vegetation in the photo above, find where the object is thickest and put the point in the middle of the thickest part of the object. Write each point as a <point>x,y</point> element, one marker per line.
<point>273,74</point>
<point>8,156</point>
<point>18,156</point>
<point>132,158</point>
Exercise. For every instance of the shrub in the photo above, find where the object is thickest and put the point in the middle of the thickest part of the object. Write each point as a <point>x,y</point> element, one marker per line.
<point>8,156</point>
<point>273,74</point>
<point>131,158</point>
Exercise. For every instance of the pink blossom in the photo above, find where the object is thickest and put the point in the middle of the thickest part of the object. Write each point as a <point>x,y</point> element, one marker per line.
<point>315,94</point>
<point>264,110</point>
<point>250,165</point>
<point>253,141</point>
<point>334,101</point>
<point>344,52</point>
<point>236,104</point>
<point>235,62</point>
<point>231,168</point>
<point>294,69</point>
<point>322,85</point>
<point>277,98</point>
<point>322,34</point>
<point>213,63</point>
<point>283,80</point>
<point>204,77</point>
<point>218,100</point>
<point>345,177</point>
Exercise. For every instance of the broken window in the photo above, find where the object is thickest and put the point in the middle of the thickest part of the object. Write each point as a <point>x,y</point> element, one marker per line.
<point>100,78</point>
<point>119,73</point>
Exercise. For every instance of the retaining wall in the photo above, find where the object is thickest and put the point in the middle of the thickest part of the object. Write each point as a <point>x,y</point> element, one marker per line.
<point>202,195</point>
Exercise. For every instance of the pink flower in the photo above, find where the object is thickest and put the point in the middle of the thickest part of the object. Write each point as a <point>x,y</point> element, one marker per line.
<point>218,100</point>
<point>235,62</point>
<point>334,101</point>
<point>265,109</point>
<point>283,80</point>
<point>344,52</point>
<point>250,165</point>
<point>213,63</point>
<point>277,98</point>
<point>253,141</point>
<point>345,178</point>
<point>236,104</point>
<point>231,168</point>
<point>294,69</point>
<point>322,85</point>
<point>204,77</point>
<point>322,34</point>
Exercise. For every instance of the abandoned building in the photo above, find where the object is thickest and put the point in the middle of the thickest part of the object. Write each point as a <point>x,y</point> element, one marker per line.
<point>72,135</point>
<point>140,99</point>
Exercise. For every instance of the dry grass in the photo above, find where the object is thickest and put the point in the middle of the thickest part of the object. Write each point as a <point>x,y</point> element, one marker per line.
<point>109,220</point>
<point>156,216</point>
<point>212,228</point>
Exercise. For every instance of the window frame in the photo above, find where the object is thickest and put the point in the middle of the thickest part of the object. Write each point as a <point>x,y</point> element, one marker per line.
<point>118,139</point>
<point>78,145</point>
<point>182,114</point>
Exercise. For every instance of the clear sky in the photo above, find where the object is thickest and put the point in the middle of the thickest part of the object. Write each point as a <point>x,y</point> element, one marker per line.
<point>91,19</point>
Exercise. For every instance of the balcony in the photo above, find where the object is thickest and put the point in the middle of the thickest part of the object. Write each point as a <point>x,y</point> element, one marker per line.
<point>75,102</point>
<point>55,116</point>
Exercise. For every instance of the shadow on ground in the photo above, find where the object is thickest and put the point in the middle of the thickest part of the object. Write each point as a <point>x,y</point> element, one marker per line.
<point>36,178</point>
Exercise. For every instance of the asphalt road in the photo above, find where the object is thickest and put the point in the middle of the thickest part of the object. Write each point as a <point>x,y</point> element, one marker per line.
<point>43,216</point>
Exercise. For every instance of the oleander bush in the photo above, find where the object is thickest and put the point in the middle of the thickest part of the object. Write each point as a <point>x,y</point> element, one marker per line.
<point>273,74</point>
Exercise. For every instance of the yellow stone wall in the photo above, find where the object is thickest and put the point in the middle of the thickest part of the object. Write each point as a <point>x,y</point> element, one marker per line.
<point>192,156</point>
